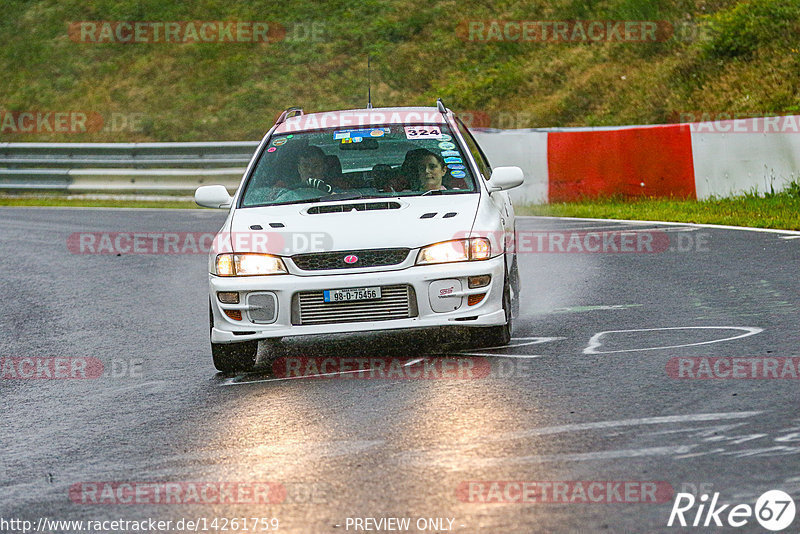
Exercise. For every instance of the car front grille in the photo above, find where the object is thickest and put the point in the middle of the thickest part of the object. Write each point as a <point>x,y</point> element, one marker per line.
<point>396,302</point>
<point>336,260</point>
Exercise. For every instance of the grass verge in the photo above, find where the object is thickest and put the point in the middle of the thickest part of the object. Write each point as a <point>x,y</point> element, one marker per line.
<point>780,210</point>
<point>777,210</point>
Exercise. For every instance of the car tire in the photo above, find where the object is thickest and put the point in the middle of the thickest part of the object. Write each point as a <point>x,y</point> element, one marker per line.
<point>496,336</point>
<point>515,288</point>
<point>232,357</point>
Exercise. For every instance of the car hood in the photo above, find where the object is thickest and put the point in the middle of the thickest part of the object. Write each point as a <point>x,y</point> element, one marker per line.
<point>418,221</point>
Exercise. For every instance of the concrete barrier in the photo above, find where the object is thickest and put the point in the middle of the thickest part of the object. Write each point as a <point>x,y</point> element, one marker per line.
<point>524,149</point>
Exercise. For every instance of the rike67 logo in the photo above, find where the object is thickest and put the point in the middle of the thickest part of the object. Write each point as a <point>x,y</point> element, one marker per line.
<point>774,510</point>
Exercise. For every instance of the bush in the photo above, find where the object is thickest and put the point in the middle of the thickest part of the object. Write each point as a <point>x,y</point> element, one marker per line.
<point>748,26</point>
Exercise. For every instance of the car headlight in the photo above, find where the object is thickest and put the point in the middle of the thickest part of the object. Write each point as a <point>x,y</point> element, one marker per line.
<point>248,265</point>
<point>476,248</point>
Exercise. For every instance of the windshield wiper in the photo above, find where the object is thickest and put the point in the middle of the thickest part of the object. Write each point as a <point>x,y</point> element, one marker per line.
<point>337,196</point>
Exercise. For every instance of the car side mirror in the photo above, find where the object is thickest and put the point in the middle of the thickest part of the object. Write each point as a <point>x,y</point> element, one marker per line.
<point>504,178</point>
<point>213,196</point>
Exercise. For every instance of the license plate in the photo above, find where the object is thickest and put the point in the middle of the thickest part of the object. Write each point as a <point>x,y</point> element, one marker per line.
<point>356,293</point>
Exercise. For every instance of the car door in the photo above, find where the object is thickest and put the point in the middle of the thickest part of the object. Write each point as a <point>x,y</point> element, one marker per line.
<point>499,199</point>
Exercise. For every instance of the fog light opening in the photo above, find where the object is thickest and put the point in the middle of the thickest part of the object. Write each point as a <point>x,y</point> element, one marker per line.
<point>472,300</point>
<point>228,297</point>
<point>236,315</point>
<point>479,281</point>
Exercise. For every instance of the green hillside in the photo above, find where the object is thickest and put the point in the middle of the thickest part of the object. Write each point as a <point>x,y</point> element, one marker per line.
<point>721,56</point>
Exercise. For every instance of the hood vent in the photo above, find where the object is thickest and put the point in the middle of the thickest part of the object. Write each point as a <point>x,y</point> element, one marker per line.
<point>361,206</point>
<point>428,215</point>
<point>448,215</point>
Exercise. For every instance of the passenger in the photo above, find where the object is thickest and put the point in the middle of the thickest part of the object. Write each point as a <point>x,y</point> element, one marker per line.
<point>430,171</point>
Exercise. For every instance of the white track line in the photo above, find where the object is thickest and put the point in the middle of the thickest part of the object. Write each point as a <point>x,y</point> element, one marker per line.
<point>537,341</point>
<point>588,456</point>
<point>668,223</point>
<point>594,341</point>
<point>111,208</point>
<point>230,381</point>
<point>602,425</point>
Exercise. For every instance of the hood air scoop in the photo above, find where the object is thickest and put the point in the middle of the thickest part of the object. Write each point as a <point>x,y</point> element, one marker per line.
<point>360,206</point>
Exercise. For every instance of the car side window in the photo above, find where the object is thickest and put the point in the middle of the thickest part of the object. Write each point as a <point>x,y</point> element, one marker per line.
<point>480,158</point>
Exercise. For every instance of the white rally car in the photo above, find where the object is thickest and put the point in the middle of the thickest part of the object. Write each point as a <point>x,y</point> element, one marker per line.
<point>360,220</point>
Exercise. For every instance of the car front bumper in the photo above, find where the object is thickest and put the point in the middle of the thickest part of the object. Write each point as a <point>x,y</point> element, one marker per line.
<point>425,281</point>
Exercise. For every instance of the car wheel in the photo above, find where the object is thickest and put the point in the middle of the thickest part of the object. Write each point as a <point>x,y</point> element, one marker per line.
<point>232,357</point>
<point>495,336</point>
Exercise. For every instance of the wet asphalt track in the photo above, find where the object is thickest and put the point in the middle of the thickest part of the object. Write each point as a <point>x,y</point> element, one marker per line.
<point>568,401</point>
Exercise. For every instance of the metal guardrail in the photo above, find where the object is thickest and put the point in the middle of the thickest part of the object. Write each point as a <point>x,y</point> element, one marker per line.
<point>182,167</point>
<point>139,167</point>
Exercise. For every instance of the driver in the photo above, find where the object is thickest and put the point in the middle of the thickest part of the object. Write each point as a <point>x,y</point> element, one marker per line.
<point>311,168</point>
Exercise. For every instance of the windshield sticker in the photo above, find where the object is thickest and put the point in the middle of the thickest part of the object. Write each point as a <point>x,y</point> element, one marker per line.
<point>458,174</point>
<point>446,137</point>
<point>352,140</point>
<point>453,160</point>
<point>279,142</point>
<point>446,153</point>
<point>423,132</point>
<point>363,132</point>
<point>446,145</point>
<point>456,167</point>
<point>271,149</point>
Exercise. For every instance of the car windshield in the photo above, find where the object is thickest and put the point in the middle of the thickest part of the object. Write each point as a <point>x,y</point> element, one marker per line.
<point>375,162</point>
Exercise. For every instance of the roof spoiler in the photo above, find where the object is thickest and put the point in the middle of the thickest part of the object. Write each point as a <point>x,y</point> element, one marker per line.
<point>291,112</point>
